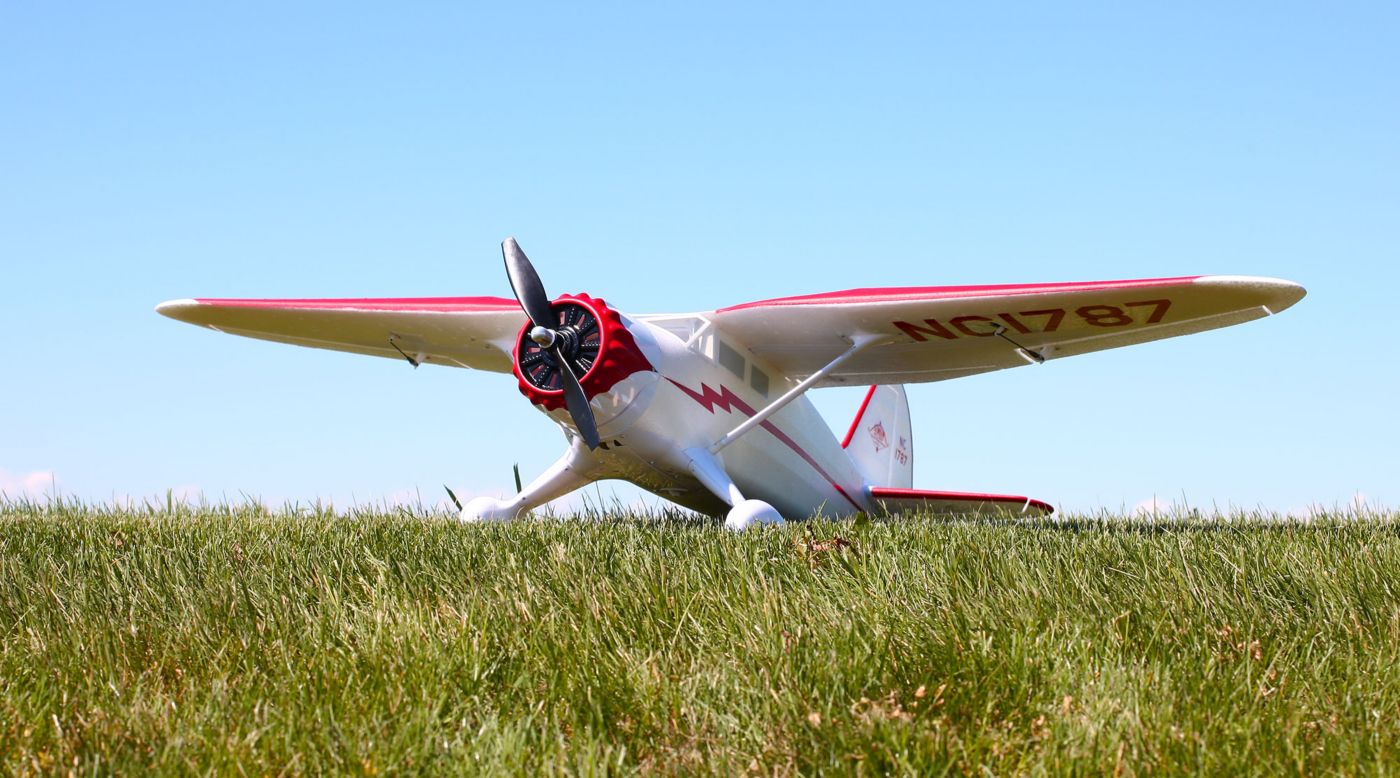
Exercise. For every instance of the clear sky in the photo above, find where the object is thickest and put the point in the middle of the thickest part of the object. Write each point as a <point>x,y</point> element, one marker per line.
<point>675,157</point>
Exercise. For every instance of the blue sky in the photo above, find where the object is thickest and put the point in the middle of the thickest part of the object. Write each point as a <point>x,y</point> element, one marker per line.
<point>674,157</point>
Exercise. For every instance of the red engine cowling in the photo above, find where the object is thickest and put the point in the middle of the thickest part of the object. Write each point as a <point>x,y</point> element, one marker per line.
<point>595,342</point>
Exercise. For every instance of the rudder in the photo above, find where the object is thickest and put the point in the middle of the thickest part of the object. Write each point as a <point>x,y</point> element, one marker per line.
<point>880,441</point>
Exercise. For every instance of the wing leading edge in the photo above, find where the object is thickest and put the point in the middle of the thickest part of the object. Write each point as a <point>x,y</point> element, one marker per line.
<point>938,333</point>
<point>475,332</point>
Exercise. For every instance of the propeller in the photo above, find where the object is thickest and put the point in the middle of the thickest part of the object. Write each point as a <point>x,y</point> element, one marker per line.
<point>529,291</point>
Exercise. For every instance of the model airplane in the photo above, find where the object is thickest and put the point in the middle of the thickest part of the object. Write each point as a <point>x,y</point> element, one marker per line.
<point>708,410</point>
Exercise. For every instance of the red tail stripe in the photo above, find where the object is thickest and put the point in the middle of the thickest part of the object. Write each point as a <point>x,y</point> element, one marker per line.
<point>850,433</point>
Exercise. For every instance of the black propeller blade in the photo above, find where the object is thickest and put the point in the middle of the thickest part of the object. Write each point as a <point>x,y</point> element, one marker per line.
<point>525,282</point>
<point>578,403</point>
<point>529,291</point>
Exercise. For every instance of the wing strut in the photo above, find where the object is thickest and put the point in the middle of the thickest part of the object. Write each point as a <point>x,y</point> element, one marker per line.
<point>858,343</point>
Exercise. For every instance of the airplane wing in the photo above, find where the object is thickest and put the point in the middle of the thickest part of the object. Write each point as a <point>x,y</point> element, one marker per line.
<point>937,333</point>
<point>477,332</point>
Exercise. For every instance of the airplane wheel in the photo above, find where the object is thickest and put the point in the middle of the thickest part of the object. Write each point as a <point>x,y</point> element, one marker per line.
<point>749,513</point>
<point>482,509</point>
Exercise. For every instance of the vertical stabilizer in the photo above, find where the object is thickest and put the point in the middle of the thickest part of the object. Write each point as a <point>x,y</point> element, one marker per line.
<point>880,442</point>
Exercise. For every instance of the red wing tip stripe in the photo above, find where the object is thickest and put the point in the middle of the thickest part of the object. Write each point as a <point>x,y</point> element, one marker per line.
<point>913,293</point>
<point>892,493</point>
<point>433,304</point>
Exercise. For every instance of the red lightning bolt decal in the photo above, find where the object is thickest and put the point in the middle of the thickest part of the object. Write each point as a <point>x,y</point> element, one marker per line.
<point>724,399</point>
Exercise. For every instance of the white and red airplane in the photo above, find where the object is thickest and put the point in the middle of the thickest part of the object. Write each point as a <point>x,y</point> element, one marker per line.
<point>708,410</point>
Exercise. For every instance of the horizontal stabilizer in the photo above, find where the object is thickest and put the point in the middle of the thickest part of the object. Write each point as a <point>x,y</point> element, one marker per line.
<point>956,503</point>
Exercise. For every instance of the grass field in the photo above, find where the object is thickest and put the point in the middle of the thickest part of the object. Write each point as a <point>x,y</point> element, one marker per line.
<point>235,639</point>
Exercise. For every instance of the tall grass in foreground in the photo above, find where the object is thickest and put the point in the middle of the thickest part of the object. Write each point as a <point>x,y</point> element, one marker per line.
<point>235,639</point>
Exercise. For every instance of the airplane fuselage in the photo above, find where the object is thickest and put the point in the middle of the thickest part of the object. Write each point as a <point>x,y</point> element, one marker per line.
<point>652,422</point>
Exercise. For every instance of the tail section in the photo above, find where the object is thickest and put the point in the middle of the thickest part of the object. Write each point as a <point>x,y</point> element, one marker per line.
<point>881,446</point>
<point>881,442</point>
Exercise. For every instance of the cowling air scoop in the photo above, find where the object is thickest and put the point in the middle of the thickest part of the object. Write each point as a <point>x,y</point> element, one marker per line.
<point>571,349</point>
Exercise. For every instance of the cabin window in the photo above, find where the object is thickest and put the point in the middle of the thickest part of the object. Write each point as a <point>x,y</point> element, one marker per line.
<point>731,359</point>
<point>758,380</point>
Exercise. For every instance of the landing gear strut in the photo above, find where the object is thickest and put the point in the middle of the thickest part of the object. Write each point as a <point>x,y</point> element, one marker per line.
<point>742,513</point>
<point>570,472</point>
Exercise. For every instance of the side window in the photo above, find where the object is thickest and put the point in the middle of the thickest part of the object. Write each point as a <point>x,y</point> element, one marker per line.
<point>731,359</point>
<point>758,380</point>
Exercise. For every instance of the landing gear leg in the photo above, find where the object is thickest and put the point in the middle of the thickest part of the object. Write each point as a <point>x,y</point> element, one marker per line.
<point>569,473</point>
<point>742,513</point>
